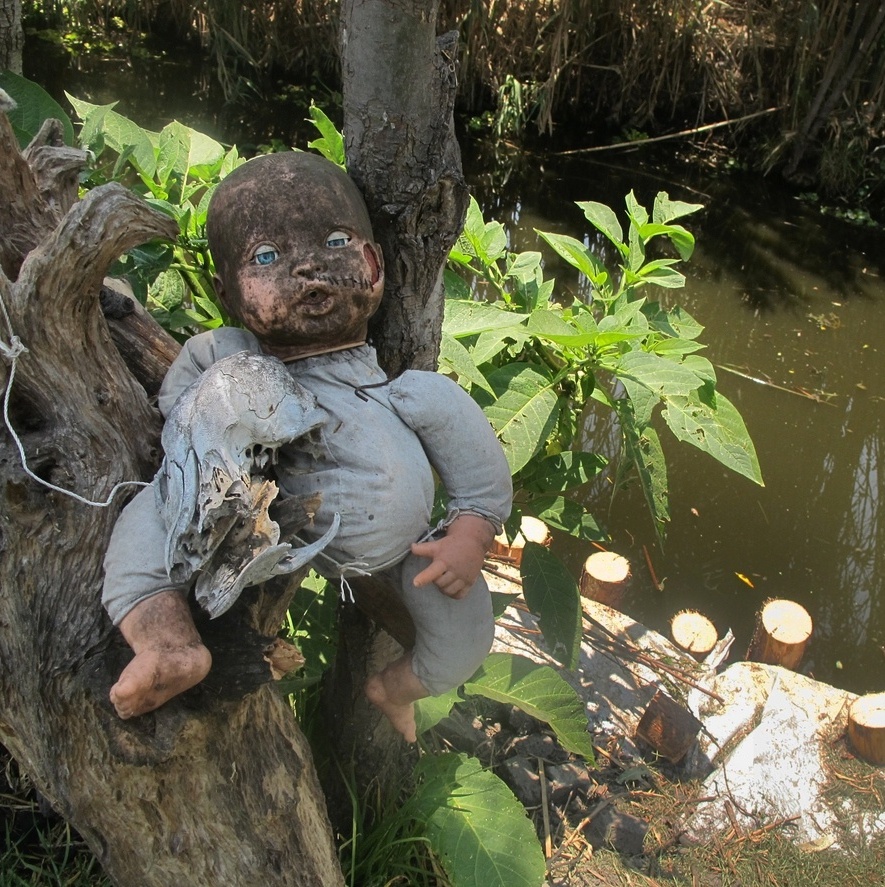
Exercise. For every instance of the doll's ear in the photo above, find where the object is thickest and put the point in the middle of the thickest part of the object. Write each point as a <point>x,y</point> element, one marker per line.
<point>375,258</point>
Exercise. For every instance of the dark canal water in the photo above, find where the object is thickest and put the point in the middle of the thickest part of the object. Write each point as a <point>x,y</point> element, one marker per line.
<point>793,302</point>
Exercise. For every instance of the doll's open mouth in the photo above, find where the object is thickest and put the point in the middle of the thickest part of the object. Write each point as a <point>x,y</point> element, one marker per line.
<point>315,301</point>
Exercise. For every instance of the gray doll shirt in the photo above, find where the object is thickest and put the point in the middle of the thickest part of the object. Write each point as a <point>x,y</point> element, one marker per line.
<point>379,447</point>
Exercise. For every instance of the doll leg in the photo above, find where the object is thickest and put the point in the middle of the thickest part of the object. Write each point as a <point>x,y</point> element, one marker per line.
<point>169,655</point>
<point>452,639</point>
<point>152,614</point>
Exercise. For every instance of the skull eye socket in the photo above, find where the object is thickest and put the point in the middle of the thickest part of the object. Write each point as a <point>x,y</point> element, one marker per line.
<point>338,239</point>
<point>265,254</point>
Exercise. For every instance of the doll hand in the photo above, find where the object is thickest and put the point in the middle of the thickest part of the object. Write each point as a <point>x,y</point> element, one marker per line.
<point>456,559</point>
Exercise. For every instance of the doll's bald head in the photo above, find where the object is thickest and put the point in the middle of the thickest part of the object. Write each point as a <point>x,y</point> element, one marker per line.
<point>294,252</point>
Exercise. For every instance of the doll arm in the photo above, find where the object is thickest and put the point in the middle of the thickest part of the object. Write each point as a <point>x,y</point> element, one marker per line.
<point>466,454</point>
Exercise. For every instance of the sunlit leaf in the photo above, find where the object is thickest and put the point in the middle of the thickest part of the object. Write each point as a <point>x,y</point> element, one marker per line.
<point>578,256</point>
<point>475,825</point>
<point>571,517</point>
<point>467,318</point>
<point>524,412</point>
<point>563,471</point>
<point>33,106</point>
<point>713,425</point>
<point>666,210</point>
<point>538,690</point>
<point>455,358</point>
<point>604,219</point>
<point>430,710</point>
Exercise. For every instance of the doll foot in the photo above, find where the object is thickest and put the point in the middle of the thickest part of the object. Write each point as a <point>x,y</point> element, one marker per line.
<point>400,715</point>
<point>155,676</point>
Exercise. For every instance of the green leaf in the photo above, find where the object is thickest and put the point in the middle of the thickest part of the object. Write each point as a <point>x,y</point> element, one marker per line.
<point>578,256</point>
<point>568,516</point>
<point>645,453</point>
<point>666,210</point>
<point>563,471</point>
<point>101,123</point>
<point>33,107</point>
<point>675,322</point>
<point>455,358</point>
<point>550,324</point>
<point>604,219</point>
<point>538,690</point>
<point>456,286</point>
<point>523,266</point>
<point>525,411</point>
<point>430,710</point>
<point>331,145</point>
<point>658,374</point>
<point>710,422</point>
<point>476,827</point>
<point>464,317</point>
<point>552,593</point>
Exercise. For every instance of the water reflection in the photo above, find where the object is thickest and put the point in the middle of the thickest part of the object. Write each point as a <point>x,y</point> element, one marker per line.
<point>792,300</point>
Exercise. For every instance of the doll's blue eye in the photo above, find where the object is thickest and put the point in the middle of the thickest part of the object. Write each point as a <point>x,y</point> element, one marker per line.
<point>338,239</point>
<point>265,255</point>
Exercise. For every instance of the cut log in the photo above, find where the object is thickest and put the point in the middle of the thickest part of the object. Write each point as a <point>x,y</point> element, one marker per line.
<point>668,727</point>
<point>693,632</point>
<point>530,530</point>
<point>866,727</point>
<point>782,632</point>
<point>605,578</point>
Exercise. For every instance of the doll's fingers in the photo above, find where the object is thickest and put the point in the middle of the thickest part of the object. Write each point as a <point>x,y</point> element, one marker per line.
<point>431,573</point>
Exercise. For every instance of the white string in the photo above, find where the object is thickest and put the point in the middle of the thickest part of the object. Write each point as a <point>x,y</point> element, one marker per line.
<point>11,353</point>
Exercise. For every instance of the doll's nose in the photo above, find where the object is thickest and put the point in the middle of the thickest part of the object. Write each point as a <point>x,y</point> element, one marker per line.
<point>306,267</point>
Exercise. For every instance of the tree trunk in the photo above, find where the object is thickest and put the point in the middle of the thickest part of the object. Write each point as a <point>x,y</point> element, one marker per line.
<point>399,93</point>
<point>11,36</point>
<point>217,787</point>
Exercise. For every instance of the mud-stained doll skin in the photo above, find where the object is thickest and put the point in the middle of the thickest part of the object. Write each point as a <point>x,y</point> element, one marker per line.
<point>298,267</point>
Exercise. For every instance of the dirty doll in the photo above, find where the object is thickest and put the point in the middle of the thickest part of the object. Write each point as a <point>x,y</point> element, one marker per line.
<point>298,267</point>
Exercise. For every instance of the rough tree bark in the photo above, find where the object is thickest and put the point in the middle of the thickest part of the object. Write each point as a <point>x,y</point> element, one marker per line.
<point>399,93</point>
<point>11,36</point>
<point>218,786</point>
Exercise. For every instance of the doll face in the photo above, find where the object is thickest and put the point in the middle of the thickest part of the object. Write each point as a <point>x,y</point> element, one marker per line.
<point>297,264</point>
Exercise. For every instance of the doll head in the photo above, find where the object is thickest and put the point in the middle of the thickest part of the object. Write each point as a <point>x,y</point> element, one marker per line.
<point>294,253</point>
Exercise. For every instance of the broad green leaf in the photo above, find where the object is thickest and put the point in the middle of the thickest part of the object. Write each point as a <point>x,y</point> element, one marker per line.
<point>676,347</point>
<point>475,825</point>
<point>680,238</point>
<point>552,593</point>
<point>578,256</point>
<point>456,286</point>
<point>675,322</point>
<point>636,211</point>
<point>33,106</point>
<point>666,210</point>
<point>551,325</point>
<point>538,690</point>
<point>644,452</point>
<point>712,424</point>
<point>661,275</point>
<point>523,265</point>
<point>206,155</point>
<point>604,219</point>
<point>174,144</point>
<point>563,471</point>
<point>487,345</point>
<point>117,132</point>
<point>331,145</point>
<point>525,411</point>
<point>455,358</point>
<point>467,318</point>
<point>564,514</point>
<point>430,710</point>
<point>662,376</point>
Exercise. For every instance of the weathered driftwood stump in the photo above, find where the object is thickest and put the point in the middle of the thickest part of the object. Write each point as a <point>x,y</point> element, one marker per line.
<point>693,632</point>
<point>866,727</point>
<point>783,629</point>
<point>605,577</point>
<point>216,787</point>
<point>530,530</point>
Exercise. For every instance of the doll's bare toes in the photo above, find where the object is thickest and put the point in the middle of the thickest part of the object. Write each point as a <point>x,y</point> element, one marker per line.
<point>155,676</point>
<point>400,715</point>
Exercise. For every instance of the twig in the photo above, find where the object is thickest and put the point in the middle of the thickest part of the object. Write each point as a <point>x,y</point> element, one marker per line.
<point>545,810</point>
<point>673,135</point>
<point>651,570</point>
<point>817,397</point>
